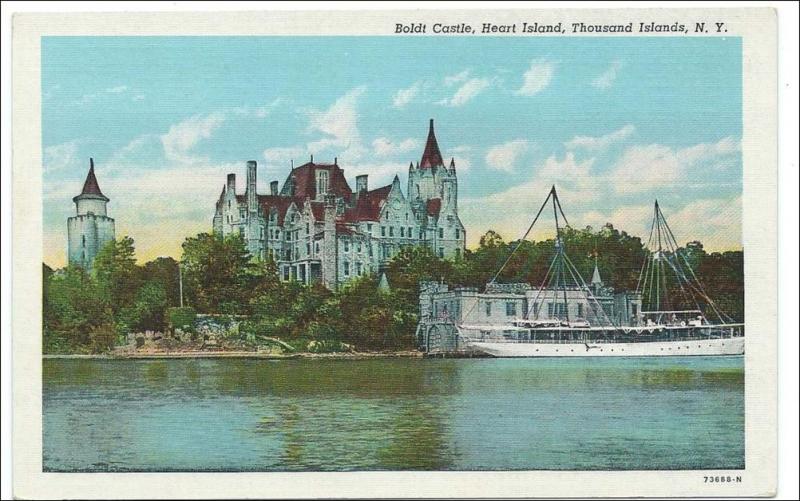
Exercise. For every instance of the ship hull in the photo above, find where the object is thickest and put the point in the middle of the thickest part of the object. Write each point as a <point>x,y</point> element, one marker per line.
<point>705,347</point>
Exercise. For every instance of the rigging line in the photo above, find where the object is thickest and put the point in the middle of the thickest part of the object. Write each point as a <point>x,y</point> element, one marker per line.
<point>720,314</point>
<point>675,264</point>
<point>519,243</point>
<point>558,201</point>
<point>560,253</point>
<point>583,283</point>
<point>679,273</point>
<point>647,248</point>
<point>544,281</point>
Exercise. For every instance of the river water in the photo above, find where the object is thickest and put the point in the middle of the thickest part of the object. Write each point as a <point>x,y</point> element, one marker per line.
<point>393,414</point>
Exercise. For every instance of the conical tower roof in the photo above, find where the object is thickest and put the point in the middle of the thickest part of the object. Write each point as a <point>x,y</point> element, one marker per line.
<point>431,157</point>
<point>596,275</point>
<point>91,189</point>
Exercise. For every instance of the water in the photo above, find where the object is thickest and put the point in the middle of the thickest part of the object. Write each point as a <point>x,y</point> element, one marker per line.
<point>393,414</point>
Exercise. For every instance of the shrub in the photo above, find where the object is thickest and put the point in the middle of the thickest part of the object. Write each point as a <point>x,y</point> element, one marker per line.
<point>181,318</point>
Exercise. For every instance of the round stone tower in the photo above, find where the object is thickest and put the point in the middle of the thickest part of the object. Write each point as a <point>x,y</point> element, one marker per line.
<point>91,228</point>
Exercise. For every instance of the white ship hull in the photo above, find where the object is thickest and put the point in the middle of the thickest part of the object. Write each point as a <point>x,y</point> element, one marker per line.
<point>705,347</point>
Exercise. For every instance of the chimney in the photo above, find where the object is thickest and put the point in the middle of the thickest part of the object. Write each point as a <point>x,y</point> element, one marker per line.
<point>232,183</point>
<point>251,186</point>
<point>273,188</point>
<point>361,183</point>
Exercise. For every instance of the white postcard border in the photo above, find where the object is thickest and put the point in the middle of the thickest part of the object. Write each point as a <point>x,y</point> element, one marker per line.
<point>758,29</point>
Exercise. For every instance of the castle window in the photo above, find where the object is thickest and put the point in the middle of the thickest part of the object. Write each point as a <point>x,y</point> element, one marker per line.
<point>410,232</point>
<point>360,249</point>
<point>383,231</point>
<point>441,252</point>
<point>458,233</point>
<point>346,246</point>
<point>308,228</point>
<point>241,213</point>
<point>358,268</point>
<point>369,228</point>
<point>391,231</point>
<point>346,269</point>
<point>549,309</point>
<point>406,216</point>
<point>488,308</point>
<point>421,234</point>
<point>441,232</point>
<point>580,309</point>
<point>416,190</point>
<point>83,240</point>
<point>402,231</point>
<point>511,309</point>
<point>322,182</point>
<point>316,248</point>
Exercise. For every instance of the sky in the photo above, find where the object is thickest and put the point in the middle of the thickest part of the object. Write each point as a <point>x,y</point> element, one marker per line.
<point>614,123</point>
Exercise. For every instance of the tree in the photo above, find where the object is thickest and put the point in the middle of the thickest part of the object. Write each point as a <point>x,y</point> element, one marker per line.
<point>73,305</point>
<point>116,272</point>
<point>164,271</point>
<point>217,273</point>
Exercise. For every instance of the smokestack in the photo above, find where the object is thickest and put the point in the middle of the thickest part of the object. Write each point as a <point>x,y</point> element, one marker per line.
<point>361,183</point>
<point>273,188</point>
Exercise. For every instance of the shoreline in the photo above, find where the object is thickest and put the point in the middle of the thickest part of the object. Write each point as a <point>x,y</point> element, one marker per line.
<point>232,354</point>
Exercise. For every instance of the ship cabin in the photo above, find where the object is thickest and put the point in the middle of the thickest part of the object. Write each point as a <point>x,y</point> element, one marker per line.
<point>524,305</point>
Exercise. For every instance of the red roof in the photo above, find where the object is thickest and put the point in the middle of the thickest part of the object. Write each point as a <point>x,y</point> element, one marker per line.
<point>431,157</point>
<point>368,206</point>
<point>434,205</point>
<point>318,209</point>
<point>305,182</point>
<point>90,186</point>
<point>281,204</point>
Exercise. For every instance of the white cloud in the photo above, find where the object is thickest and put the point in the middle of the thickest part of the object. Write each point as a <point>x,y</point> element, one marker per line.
<point>60,156</point>
<point>184,136</point>
<point>642,168</point>
<point>281,157</point>
<point>606,79</point>
<point>340,124</point>
<point>138,97</point>
<point>467,92</point>
<point>457,78</point>
<point>462,155</point>
<point>404,96</point>
<point>504,157</point>
<point>385,147</point>
<point>258,111</point>
<point>601,142</point>
<point>537,78</point>
<point>117,90</point>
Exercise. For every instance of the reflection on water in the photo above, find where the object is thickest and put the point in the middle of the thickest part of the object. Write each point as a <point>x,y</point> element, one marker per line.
<point>393,414</point>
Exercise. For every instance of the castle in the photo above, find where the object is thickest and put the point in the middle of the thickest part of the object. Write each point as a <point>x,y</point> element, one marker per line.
<point>316,228</point>
<point>91,228</point>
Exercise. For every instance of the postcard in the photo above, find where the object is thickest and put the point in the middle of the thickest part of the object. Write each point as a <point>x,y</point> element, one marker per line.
<point>422,253</point>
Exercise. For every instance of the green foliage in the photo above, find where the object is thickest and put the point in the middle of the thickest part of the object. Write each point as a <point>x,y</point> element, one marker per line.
<point>219,275</point>
<point>87,313</point>
<point>84,313</point>
<point>181,318</point>
<point>116,273</point>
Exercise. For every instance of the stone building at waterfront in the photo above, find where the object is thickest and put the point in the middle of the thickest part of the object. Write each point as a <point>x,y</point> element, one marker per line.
<point>91,228</point>
<point>317,228</point>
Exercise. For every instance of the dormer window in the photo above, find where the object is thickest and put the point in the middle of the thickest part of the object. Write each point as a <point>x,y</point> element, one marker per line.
<point>322,182</point>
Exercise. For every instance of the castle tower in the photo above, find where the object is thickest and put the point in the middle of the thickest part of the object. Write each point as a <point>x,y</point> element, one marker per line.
<point>91,228</point>
<point>432,178</point>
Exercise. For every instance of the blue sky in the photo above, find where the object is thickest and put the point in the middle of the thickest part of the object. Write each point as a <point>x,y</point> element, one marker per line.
<point>613,122</point>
